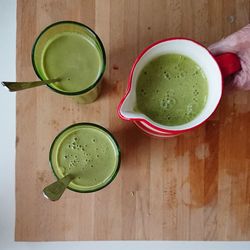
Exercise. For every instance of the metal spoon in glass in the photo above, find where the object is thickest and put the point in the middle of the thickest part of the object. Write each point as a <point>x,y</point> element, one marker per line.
<point>55,190</point>
<point>16,86</point>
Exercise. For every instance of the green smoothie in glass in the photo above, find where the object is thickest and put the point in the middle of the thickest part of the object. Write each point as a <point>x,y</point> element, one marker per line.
<point>88,152</point>
<point>73,53</point>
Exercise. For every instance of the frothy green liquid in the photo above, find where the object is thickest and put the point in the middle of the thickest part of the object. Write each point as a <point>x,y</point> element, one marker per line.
<point>87,152</point>
<point>171,89</point>
<point>74,59</point>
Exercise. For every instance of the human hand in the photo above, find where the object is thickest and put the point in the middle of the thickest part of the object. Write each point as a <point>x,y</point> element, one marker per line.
<point>238,43</point>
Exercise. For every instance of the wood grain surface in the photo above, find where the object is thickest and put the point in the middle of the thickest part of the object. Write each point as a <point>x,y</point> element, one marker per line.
<point>192,187</point>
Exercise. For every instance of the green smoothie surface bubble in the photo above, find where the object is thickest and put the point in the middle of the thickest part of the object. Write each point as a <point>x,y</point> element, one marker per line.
<point>171,89</point>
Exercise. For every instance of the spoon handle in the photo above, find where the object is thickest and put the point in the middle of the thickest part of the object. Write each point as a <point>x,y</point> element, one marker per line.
<point>55,190</point>
<point>16,86</point>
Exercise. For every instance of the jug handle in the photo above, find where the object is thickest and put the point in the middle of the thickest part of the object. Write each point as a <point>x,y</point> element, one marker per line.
<point>229,63</point>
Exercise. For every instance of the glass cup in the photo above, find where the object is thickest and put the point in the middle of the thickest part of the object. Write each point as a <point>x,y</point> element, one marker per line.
<point>87,151</point>
<point>72,58</point>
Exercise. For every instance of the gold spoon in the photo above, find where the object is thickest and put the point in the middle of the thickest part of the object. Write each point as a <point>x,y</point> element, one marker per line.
<point>16,86</point>
<point>55,190</point>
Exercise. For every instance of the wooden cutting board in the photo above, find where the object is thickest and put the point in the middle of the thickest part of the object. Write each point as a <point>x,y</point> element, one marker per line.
<point>192,187</point>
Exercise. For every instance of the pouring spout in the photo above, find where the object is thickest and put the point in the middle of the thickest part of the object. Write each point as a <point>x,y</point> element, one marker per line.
<point>129,114</point>
<point>127,109</point>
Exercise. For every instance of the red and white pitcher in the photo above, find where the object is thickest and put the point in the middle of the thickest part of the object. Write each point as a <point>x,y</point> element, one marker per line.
<point>216,68</point>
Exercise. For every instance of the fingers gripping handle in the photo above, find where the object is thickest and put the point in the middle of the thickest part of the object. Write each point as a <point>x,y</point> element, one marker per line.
<point>229,64</point>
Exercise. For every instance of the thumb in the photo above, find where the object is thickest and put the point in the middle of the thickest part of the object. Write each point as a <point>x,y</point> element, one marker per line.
<point>232,43</point>
<point>222,46</point>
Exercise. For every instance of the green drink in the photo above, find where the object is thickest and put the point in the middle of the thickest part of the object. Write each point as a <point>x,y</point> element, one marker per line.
<point>171,89</point>
<point>88,152</point>
<point>73,53</point>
